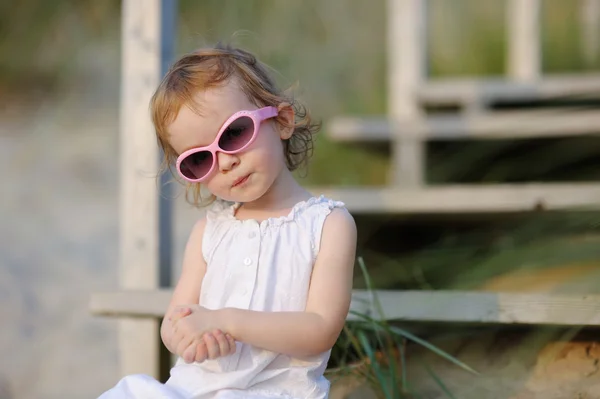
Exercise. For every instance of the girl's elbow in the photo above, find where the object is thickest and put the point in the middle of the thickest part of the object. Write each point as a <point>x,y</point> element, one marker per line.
<point>321,348</point>
<point>323,342</point>
<point>311,350</point>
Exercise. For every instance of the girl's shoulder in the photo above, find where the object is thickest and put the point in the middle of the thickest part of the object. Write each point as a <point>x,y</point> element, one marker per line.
<point>315,205</point>
<point>315,208</point>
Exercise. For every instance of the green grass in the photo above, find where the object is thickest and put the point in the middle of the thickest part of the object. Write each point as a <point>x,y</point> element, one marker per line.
<point>335,164</point>
<point>373,350</point>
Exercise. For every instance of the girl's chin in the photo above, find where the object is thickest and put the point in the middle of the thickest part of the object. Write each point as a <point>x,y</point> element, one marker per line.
<point>244,195</point>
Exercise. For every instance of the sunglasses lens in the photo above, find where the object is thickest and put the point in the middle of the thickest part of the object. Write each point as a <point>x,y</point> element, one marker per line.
<point>197,165</point>
<point>237,134</point>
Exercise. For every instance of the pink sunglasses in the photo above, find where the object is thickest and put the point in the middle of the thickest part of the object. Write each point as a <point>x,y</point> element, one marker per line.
<point>237,133</point>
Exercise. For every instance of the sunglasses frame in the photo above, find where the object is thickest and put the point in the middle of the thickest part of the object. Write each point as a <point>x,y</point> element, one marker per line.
<point>257,116</point>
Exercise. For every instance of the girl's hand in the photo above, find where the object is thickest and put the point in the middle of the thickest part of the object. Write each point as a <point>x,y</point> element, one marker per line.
<point>200,351</point>
<point>180,312</point>
<point>213,345</point>
<point>193,337</point>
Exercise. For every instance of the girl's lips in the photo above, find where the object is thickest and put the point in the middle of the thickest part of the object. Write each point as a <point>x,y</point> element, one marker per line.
<point>240,181</point>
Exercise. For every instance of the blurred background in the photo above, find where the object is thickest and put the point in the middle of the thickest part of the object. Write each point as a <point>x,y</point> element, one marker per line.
<point>59,90</point>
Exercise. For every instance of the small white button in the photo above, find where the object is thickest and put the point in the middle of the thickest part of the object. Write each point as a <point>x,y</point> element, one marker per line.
<point>252,235</point>
<point>244,291</point>
<point>247,261</point>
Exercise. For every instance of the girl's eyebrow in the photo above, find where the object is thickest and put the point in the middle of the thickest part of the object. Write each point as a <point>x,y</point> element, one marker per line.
<point>203,142</point>
<point>213,134</point>
<point>226,117</point>
<point>198,143</point>
<point>221,117</point>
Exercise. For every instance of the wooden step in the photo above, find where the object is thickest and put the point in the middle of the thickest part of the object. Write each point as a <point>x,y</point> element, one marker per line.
<point>415,306</point>
<point>465,92</point>
<point>468,199</point>
<point>484,126</point>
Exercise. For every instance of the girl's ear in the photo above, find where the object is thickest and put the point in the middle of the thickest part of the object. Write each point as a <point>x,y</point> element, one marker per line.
<point>286,120</point>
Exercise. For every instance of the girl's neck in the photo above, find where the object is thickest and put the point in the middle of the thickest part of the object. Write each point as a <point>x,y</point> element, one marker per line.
<point>283,194</point>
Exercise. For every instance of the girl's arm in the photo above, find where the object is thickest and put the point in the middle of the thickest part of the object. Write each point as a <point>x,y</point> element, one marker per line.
<point>187,290</point>
<point>315,330</point>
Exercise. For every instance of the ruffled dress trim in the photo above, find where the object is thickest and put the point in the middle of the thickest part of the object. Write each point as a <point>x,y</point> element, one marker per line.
<point>225,210</point>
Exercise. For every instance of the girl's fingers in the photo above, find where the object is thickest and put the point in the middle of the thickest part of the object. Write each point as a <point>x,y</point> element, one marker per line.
<point>175,340</point>
<point>224,348</point>
<point>189,355</point>
<point>212,345</point>
<point>179,313</point>
<point>231,342</point>
<point>183,344</point>
<point>201,352</point>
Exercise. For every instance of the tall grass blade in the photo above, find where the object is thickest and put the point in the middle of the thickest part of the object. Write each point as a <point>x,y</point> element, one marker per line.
<point>439,382</point>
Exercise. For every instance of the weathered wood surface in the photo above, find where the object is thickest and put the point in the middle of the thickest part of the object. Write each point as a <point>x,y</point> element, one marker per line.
<point>484,126</point>
<point>463,91</point>
<point>468,199</point>
<point>143,59</point>
<point>407,67</point>
<point>417,306</point>
<point>524,60</point>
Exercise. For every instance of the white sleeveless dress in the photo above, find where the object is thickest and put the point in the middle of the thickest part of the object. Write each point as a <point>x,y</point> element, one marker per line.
<point>264,266</point>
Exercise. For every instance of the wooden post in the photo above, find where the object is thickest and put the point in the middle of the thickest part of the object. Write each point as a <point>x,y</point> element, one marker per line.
<point>140,257</point>
<point>524,48</point>
<point>168,30</point>
<point>590,29</point>
<point>406,72</point>
<point>165,206</point>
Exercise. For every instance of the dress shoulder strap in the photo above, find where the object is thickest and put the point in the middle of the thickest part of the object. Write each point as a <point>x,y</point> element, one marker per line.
<point>312,215</point>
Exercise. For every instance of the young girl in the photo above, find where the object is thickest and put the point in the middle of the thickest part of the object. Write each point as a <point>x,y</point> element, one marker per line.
<point>267,273</point>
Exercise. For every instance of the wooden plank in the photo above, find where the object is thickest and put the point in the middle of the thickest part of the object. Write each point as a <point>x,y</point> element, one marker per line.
<point>131,303</point>
<point>497,125</point>
<point>348,128</point>
<point>468,199</point>
<point>406,43</point>
<point>139,196</point>
<point>461,92</point>
<point>415,306</point>
<point>484,307</point>
<point>524,52</point>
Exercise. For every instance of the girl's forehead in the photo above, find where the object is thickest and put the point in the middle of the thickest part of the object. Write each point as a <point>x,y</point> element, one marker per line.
<point>219,99</point>
<point>198,124</point>
<point>216,104</point>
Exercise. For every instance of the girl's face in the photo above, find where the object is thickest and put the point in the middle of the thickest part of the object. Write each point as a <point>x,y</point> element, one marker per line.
<point>242,177</point>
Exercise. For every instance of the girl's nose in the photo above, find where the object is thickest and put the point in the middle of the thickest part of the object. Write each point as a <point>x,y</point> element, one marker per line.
<point>227,162</point>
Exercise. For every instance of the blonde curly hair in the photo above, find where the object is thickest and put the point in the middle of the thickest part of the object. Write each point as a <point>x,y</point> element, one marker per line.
<point>210,67</point>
